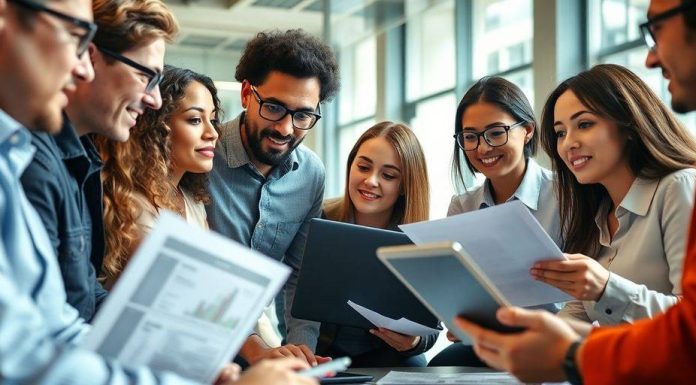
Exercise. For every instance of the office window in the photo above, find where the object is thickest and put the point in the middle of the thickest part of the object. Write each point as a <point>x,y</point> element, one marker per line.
<point>430,49</point>
<point>433,124</point>
<point>502,33</point>
<point>358,95</point>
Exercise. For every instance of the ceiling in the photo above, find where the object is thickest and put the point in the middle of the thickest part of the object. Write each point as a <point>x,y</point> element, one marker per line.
<point>224,26</point>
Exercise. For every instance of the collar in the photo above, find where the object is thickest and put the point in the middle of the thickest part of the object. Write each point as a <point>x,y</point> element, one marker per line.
<point>15,143</point>
<point>640,196</point>
<point>8,126</point>
<point>527,192</point>
<point>67,141</point>
<point>235,153</point>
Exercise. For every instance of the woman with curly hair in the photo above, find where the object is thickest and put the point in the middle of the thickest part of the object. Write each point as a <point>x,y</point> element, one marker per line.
<point>163,165</point>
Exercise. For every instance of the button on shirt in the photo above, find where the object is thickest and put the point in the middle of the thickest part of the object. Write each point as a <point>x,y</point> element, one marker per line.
<point>38,329</point>
<point>56,182</point>
<point>535,191</point>
<point>645,256</point>
<point>269,214</point>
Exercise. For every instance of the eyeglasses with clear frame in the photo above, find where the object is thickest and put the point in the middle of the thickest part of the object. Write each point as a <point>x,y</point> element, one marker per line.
<point>647,28</point>
<point>301,120</point>
<point>495,136</point>
<point>82,40</point>
<point>155,77</point>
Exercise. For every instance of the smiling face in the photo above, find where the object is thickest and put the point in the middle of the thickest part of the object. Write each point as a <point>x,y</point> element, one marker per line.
<point>193,133</point>
<point>268,143</point>
<point>39,63</point>
<point>592,147</point>
<point>502,162</point>
<point>374,180</point>
<point>110,105</point>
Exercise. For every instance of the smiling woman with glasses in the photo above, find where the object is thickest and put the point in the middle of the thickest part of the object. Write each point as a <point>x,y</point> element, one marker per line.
<point>82,39</point>
<point>495,135</point>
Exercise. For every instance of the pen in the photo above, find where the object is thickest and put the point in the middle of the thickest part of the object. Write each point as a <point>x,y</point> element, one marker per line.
<point>321,370</point>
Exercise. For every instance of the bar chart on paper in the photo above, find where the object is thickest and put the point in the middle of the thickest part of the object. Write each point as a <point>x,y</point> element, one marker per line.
<point>216,311</point>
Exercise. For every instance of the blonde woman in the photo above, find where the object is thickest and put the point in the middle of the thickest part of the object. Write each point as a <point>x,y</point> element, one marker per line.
<point>386,185</point>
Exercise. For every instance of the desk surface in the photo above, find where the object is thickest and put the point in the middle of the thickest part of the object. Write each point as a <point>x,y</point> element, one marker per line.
<point>378,373</point>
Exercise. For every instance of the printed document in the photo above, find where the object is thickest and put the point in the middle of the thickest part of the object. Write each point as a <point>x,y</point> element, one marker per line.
<point>402,325</point>
<point>186,302</point>
<point>504,241</point>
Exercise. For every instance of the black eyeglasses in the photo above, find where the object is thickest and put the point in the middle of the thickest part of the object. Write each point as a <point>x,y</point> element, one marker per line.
<point>646,29</point>
<point>154,76</point>
<point>302,120</point>
<point>495,136</point>
<point>83,40</point>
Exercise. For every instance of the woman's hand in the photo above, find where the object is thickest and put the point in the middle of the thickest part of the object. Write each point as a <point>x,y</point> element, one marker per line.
<point>398,341</point>
<point>580,276</point>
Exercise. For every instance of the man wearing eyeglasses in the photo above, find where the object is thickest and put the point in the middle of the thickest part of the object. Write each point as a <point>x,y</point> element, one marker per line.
<point>264,186</point>
<point>63,181</point>
<point>41,43</point>
<point>661,350</point>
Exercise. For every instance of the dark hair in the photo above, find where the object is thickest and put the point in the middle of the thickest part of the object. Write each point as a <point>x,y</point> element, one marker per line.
<point>658,144</point>
<point>142,165</point>
<point>293,52</point>
<point>690,15</point>
<point>509,98</point>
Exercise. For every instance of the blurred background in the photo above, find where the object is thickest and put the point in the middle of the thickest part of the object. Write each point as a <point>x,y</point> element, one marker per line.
<point>411,61</point>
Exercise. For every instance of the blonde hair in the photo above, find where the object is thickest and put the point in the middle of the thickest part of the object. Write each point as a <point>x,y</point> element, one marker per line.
<point>127,24</point>
<point>414,204</point>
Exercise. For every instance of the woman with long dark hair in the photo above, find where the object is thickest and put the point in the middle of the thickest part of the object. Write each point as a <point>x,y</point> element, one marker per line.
<point>625,182</point>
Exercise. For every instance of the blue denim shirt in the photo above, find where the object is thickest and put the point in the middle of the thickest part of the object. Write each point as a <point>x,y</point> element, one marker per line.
<point>55,182</point>
<point>270,215</point>
<point>39,331</point>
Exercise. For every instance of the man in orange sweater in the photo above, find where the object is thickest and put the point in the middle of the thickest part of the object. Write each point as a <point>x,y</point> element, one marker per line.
<point>661,350</point>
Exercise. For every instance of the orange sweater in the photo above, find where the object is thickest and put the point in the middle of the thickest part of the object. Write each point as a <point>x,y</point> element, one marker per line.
<point>657,351</point>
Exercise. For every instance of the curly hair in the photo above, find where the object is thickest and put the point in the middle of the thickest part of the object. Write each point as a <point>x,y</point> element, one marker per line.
<point>126,24</point>
<point>142,165</point>
<point>293,52</point>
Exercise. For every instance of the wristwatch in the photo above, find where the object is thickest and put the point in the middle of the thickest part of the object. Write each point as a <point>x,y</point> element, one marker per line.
<point>570,367</point>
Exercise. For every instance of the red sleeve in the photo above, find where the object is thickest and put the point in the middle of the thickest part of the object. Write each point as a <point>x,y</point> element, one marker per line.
<point>657,351</point>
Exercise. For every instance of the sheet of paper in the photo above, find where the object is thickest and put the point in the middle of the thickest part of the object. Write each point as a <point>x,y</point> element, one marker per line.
<point>504,241</point>
<point>186,301</point>
<point>402,325</point>
<point>411,378</point>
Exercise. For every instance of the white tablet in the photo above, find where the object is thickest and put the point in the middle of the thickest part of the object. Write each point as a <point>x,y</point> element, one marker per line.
<point>448,282</point>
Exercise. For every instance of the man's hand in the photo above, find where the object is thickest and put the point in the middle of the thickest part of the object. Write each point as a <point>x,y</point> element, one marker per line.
<point>255,350</point>
<point>398,341</point>
<point>580,276</point>
<point>533,355</point>
<point>280,371</point>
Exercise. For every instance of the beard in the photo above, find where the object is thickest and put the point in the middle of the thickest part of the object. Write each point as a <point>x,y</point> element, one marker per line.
<point>270,157</point>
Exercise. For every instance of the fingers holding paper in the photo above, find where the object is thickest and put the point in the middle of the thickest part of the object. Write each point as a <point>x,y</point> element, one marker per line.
<point>398,341</point>
<point>545,335</point>
<point>580,276</point>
